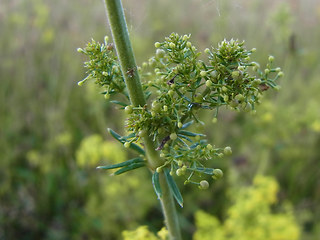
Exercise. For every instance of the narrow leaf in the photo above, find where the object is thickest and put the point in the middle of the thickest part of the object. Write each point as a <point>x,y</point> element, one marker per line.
<point>119,103</point>
<point>185,137</point>
<point>156,184</point>
<point>208,171</point>
<point>123,164</point>
<point>186,125</point>
<point>133,146</point>
<point>190,134</point>
<point>129,168</point>
<point>173,187</point>
<point>116,135</point>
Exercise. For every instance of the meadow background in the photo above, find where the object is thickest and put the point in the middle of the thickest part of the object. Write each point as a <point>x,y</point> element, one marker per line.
<point>53,133</point>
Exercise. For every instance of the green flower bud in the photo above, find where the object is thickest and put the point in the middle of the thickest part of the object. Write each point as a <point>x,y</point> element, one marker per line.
<point>106,96</point>
<point>180,163</point>
<point>214,120</point>
<point>160,53</point>
<point>185,37</point>
<point>280,74</point>
<point>157,45</point>
<point>217,174</point>
<point>180,172</point>
<point>235,74</point>
<point>247,107</point>
<point>214,74</point>
<point>198,98</point>
<point>144,65</point>
<point>266,71</point>
<point>278,69</point>
<point>156,106</point>
<point>209,83</point>
<point>239,97</point>
<point>204,185</point>
<point>180,125</point>
<point>189,44</point>
<point>224,89</point>
<point>80,83</point>
<point>209,147</point>
<point>106,39</point>
<point>220,155</point>
<point>271,59</point>
<point>256,82</point>
<point>173,136</point>
<point>162,155</point>
<point>127,144</point>
<point>203,73</point>
<point>80,50</point>
<point>170,93</point>
<point>159,169</point>
<point>128,109</point>
<point>234,103</point>
<point>227,150</point>
<point>165,108</point>
<point>207,50</point>
<point>172,45</point>
<point>152,62</point>
<point>241,68</point>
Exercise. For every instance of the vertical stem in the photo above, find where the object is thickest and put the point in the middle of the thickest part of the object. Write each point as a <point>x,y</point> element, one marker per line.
<point>124,50</point>
<point>169,209</point>
<point>129,70</point>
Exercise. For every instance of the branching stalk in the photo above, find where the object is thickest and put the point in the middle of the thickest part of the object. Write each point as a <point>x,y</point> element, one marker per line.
<point>129,69</point>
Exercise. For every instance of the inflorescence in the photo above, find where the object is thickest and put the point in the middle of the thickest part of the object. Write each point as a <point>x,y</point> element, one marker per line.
<point>177,84</point>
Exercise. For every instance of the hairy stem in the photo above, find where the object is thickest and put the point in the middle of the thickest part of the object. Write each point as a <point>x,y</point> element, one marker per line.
<point>129,69</point>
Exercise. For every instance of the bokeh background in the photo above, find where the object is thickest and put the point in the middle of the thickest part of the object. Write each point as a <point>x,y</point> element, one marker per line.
<point>53,133</point>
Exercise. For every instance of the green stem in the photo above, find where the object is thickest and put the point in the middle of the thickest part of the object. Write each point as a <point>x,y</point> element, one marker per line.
<point>129,69</point>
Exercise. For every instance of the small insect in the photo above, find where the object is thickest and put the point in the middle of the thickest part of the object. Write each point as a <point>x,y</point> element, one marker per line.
<point>263,87</point>
<point>110,46</point>
<point>130,72</point>
<point>171,81</point>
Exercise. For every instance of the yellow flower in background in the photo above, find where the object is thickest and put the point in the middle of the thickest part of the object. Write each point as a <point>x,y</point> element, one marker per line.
<point>315,126</point>
<point>93,151</point>
<point>250,217</point>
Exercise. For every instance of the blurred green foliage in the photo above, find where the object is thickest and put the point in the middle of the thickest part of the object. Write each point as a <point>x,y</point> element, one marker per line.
<point>53,134</point>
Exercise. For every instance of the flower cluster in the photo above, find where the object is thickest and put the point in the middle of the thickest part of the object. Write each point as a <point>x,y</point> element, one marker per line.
<point>103,67</point>
<point>177,85</point>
